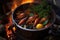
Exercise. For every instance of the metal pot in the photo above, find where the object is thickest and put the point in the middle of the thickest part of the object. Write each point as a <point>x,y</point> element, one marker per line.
<point>32,34</point>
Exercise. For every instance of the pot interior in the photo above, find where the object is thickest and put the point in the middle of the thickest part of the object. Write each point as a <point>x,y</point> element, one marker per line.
<point>23,7</point>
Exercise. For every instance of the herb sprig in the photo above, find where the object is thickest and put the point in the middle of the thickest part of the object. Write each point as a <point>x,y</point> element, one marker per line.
<point>42,9</point>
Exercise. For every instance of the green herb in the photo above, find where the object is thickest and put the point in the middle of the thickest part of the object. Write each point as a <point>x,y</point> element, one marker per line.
<point>42,9</point>
<point>31,14</point>
<point>44,23</point>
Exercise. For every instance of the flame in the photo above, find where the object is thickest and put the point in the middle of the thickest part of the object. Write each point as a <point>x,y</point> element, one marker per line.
<point>8,25</point>
<point>8,31</point>
<point>16,4</point>
<point>14,29</point>
<point>27,1</point>
<point>10,20</point>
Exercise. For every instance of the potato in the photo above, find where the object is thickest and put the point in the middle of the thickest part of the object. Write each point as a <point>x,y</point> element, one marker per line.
<point>43,19</point>
<point>39,26</point>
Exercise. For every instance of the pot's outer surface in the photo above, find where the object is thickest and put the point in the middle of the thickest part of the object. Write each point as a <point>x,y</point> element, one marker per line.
<point>32,34</point>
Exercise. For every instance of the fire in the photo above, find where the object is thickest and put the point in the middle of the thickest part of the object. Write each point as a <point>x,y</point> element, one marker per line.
<point>14,29</point>
<point>16,4</point>
<point>8,31</point>
<point>27,1</point>
<point>8,25</point>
